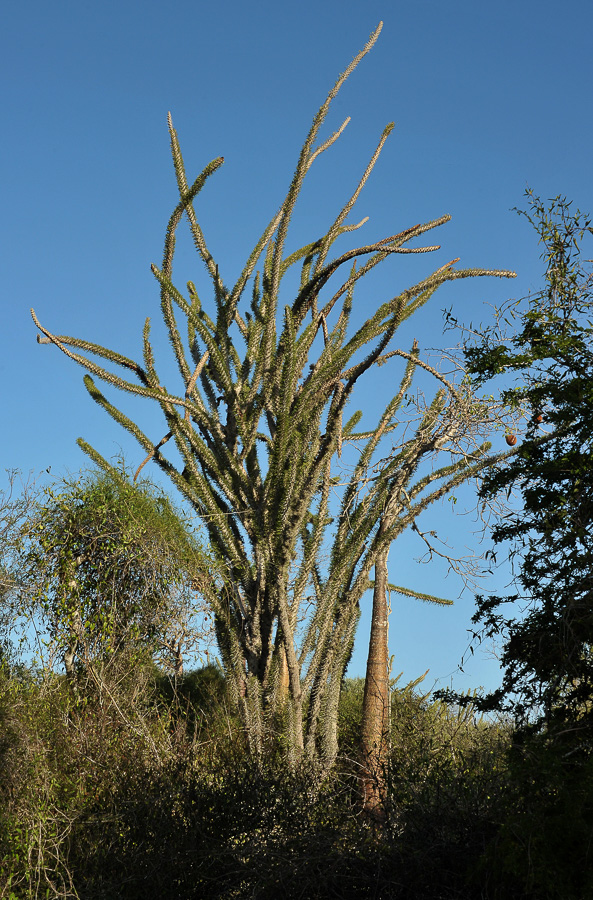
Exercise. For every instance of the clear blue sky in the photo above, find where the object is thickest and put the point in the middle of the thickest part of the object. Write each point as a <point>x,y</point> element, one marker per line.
<point>486,98</point>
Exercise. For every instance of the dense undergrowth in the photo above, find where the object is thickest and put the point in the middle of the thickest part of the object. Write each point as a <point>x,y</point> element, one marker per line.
<point>140,791</point>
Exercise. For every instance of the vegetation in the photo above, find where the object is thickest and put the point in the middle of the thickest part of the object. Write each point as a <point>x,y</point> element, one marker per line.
<point>151,789</point>
<point>546,628</point>
<point>269,773</point>
<point>259,425</point>
<point>106,572</point>
<point>547,655</point>
<point>179,808</point>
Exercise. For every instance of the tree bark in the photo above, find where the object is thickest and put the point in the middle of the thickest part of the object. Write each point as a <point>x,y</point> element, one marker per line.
<point>375,708</point>
<point>284,678</point>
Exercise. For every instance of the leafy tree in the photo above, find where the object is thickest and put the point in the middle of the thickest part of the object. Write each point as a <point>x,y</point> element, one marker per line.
<point>548,645</point>
<point>260,425</point>
<point>16,503</point>
<point>114,571</point>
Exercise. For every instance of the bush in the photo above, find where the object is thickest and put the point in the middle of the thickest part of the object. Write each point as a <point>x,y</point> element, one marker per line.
<point>154,795</point>
<point>545,844</point>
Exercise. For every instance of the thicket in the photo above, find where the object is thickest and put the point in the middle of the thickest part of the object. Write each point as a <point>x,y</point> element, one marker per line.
<point>125,777</point>
<point>179,808</point>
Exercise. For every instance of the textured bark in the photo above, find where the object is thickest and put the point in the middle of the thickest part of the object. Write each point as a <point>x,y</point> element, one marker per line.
<point>284,679</point>
<point>375,709</point>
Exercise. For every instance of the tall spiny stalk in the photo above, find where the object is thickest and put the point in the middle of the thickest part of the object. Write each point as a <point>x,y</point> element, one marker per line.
<point>259,429</point>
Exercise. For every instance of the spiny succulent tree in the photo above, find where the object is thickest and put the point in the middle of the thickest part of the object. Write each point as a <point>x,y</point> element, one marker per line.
<point>260,422</point>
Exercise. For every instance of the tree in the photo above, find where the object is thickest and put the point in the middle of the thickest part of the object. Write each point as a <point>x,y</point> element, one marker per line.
<point>375,724</point>
<point>260,430</point>
<point>15,508</point>
<point>547,635</point>
<point>113,570</point>
<point>547,649</point>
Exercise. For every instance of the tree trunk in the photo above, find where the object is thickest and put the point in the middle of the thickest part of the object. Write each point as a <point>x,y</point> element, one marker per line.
<point>284,677</point>
<point>375,708</point>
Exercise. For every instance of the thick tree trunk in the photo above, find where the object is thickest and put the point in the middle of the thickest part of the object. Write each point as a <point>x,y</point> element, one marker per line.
<point>375,708</point>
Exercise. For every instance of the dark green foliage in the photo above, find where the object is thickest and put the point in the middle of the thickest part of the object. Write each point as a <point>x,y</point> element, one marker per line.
<point>548,678</point>
<point>546,627</point>
<point>544,846</point>
<point>198,701</point>
<point>203,689</point>
<point>92,808</point>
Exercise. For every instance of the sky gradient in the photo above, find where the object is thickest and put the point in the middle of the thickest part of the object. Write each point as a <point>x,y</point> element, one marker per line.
<point>486,99</point>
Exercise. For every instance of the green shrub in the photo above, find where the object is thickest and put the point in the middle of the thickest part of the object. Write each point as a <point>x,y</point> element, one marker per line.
<point>545,844</point>
<point>154,795</point>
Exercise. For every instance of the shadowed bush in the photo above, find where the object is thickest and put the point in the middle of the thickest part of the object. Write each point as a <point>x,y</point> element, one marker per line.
<point>156,796</point>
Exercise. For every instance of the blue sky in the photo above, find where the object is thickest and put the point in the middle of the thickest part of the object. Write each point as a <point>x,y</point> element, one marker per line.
<point>486,99</point>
